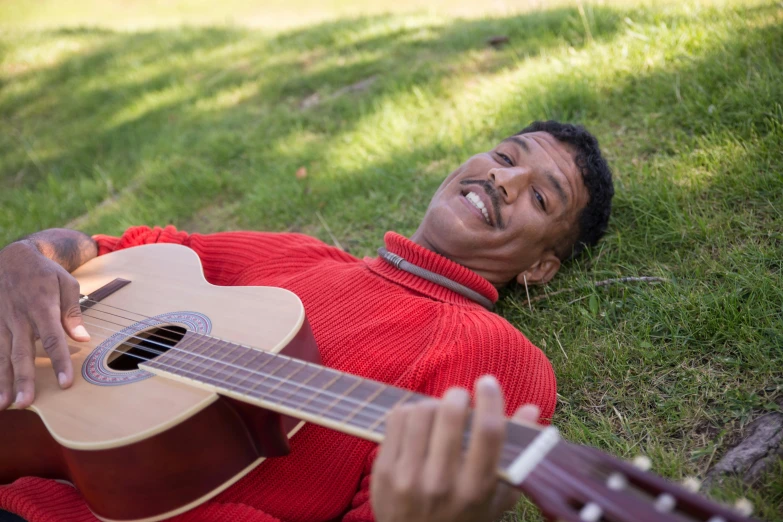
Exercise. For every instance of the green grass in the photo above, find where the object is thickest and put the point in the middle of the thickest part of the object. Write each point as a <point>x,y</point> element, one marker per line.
<point>106,125</point>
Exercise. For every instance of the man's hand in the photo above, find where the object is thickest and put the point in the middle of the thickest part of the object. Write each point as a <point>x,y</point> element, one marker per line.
<point>39,299</point>
<point>421,474</point>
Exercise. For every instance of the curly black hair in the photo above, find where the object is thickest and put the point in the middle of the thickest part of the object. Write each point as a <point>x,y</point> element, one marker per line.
<point>597,177</point>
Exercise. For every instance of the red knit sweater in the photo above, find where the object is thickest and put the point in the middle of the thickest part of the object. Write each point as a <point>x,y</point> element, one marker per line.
<point>369,319</point>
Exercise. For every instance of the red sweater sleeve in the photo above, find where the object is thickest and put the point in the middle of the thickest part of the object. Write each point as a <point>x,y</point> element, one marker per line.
<point>486,343</point>
<point>223,255</point>
<point>483,344</point>
<point>44,500</point>
<point>361,510</point>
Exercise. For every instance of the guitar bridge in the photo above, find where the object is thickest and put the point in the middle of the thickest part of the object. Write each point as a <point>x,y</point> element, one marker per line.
<point>88,301</point>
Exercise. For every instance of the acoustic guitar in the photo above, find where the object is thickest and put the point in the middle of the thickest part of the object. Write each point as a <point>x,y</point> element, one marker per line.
<point>185,387</point>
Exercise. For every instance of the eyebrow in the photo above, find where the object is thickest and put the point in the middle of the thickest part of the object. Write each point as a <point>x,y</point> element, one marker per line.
<point>519,142</point>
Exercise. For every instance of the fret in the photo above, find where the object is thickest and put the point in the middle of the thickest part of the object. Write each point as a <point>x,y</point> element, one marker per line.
<point>214,366</point>
<point>189,351</point>
<point>319,372</point>
<point>243,352</point>
<point>307,366</point>
<point>203,354</point>
<point>197,357</point>
<point>233,349</point>
<point>193,349</point>
<point>238,382</point>
<point>265,376</point>
<point>320,389</point>
<point>242,362</point>
<point>344,395</point>
<point>321,392</point>
<point>221,359</point>
<point>365,403</point>
<point>177,356</point>
<point>248,358</point>
<point>279,379</point>
<point>286,379</point>
<point>324,413</point>
<point>380,425</point>
<point>254,372</point>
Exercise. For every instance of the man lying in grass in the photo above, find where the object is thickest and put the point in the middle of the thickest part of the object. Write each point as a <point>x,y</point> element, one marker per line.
<point>514,213</point>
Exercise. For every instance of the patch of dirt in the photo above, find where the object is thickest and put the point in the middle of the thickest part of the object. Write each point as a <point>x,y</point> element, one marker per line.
<point>753,455</point>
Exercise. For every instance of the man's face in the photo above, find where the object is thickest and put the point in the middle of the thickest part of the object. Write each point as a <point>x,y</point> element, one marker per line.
<point>504,213</point>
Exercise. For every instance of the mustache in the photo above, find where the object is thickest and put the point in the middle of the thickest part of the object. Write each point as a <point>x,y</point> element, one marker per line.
<point>492,192</point>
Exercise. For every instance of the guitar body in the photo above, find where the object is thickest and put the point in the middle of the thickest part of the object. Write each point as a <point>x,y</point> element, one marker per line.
<point>140,446</point>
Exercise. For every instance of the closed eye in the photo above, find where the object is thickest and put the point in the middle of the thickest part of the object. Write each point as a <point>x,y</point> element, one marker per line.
<point>505,158</point>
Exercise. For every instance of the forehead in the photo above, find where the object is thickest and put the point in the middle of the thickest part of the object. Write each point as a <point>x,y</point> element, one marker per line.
<point>544,146</point>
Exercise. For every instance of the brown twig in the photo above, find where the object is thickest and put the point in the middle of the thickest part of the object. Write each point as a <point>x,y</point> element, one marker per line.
<point>605,282</point>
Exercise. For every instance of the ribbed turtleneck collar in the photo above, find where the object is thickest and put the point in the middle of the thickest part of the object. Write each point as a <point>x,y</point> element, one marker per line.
<point>429,260</point>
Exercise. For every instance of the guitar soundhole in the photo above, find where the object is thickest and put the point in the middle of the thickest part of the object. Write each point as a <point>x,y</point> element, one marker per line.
<point>144,346</point>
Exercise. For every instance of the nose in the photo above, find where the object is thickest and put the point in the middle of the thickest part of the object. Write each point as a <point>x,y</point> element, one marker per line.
<point>510,181</point>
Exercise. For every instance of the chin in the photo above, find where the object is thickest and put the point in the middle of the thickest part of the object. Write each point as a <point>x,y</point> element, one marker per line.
<point>449,234</point>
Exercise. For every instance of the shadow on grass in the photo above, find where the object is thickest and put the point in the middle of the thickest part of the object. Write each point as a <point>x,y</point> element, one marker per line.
<point>153,81</point>
<point>677,215</point>
<point>117,70</point>
<point>81,97</point>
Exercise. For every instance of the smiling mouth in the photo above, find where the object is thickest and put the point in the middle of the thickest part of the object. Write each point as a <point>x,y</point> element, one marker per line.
<point>475,200</point>
<point>491,212</point>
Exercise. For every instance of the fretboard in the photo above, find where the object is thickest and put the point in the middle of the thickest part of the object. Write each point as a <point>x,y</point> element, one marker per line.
<point>303,390</point>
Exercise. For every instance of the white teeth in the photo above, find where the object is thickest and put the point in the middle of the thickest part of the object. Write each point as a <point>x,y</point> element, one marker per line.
<point>476,200</point>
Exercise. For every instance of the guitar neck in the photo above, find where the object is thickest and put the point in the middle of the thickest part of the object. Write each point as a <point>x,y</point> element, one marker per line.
<point>306,391</point>
<point>303,390</point>
<point>567,482</point>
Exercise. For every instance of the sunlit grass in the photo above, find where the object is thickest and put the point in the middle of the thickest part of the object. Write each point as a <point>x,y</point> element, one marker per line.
<point>205,127</point>
<point>271,14</point>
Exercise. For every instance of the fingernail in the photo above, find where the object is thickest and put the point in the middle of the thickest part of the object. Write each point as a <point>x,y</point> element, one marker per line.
<point>61,378</point>
<point>488,382</point>
<point>81,331</point>
<point>457,396</point>
<point>19,398</point>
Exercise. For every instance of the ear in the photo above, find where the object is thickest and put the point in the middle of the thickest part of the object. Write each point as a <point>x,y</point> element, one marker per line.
<point>542,271</point>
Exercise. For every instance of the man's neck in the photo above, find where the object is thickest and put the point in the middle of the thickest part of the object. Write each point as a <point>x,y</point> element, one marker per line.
<point>419,238</point>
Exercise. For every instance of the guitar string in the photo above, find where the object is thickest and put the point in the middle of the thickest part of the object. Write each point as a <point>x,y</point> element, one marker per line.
<point>508,447</point>
<point>361,405</point>
<point>261,397</point>
<point>98,303</point>
<point>510,450</point>
<point>242,368</point>
<point>379,409</point>
<point>105,305</point>
<point>353,414</point>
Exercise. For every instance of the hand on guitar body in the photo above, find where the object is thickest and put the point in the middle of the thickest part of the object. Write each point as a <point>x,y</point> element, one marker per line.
<point>39,299</point>
<point>421,475</point>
